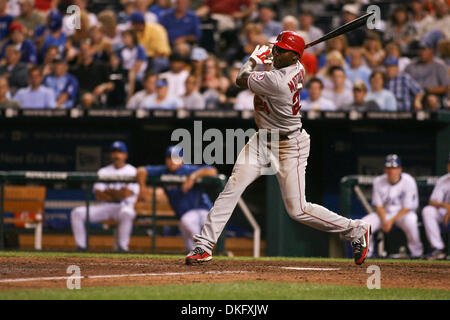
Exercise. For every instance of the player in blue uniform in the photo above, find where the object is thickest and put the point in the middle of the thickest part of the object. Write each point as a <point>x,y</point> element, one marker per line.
<point>189,201</point>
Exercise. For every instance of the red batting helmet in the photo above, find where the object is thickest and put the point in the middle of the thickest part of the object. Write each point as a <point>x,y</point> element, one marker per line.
<point>290,41</point>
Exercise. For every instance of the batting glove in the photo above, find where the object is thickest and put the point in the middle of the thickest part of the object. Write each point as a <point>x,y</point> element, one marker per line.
<point>262,55</point>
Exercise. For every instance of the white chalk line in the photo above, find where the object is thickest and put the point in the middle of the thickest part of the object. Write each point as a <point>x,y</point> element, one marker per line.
<point>118,276</point>
<point>311,269</point>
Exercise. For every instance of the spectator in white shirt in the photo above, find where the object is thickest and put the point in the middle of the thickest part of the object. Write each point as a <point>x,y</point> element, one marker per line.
<point>162,99</point>
<point>149,90</point>
<point>315,100</point>
<point>192,99</point>
<point>244,100</point>
<point>176,76</point>
<point>36,96</point>
<point>340,95</point>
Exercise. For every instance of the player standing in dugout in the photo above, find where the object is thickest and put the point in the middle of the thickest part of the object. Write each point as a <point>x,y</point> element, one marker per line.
<point>276,108</point>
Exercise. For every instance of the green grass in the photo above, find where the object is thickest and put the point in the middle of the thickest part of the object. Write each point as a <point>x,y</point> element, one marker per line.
<point>250,290</point>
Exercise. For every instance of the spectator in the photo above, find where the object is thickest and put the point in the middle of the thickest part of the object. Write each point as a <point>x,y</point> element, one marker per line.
<point>440,20</point>
<point>51,54</point>
<point>334,59</point>
<point>27,49</point>
<point>360,103</point>
<point>233,90</point>
<point>244,100</point>
<point>399,28</point>
<point>252,35</point>
<point>92,75</point>
<point>290,23</point>
<point>356,37</point>
<point>29,17</point>
<point>79,34</point>
<point>162,100</point>
<point>149,90</point>
<point>116,201</point>
<point>309,61</point>
<point>189,201</point>
<point>143,6</point>
<point>373,51</point>
<point>109,28</point>
<point>182,24</point>
<point>89,101</point>
<point>403,86</point>
<point>419,18</point>
<point>15,71</point>
<point>226,12</point>
<point>357,71</point>
<point>133,60</point>
<point>55,36</point>
<point>306,19</point>
<point>340,95</point>
<point>159,7</point>
<point>153,37</point>
<point>4,101</point>
<point>315,100</point>
<point>36,96</point>
<point>384,98</point>
<point>430,73</point>
<point>430,102</point>
<point>176,76</point>
<point>63,84</point>
<point>192,99</point>
<point>101,47</point>
<point>266,15</point>
<point>116,97</point>
<point>5,21</point>
<point>393,49</point>
<point>214,84</point>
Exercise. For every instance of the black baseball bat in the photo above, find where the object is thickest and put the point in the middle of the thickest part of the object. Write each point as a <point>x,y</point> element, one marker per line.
<point>350,26</point>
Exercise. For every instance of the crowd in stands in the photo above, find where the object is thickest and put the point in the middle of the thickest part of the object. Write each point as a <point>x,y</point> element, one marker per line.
<point>172,54</point>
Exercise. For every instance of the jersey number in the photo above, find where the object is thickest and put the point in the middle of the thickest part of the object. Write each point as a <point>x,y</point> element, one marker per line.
<point>260,105</point>
<point>296,103</point>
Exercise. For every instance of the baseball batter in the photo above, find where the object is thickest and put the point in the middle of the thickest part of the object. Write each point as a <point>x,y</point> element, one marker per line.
<point>276,109</point>
<point>396,200</point>
<point>437,212</point>
<point>117,201</point>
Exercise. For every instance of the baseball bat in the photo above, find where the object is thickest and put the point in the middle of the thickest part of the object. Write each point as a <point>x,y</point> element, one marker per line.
<point>350,26</point>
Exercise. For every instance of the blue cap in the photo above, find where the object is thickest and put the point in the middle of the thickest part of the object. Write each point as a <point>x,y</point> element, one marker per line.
<point>391,61</point>
<point>161,83</point>
<point>392,161</point>
<point>174,151</point>
<point>137,17</point>
<point>431,39</point>
<point>119,146</point>
<point>54,20</point>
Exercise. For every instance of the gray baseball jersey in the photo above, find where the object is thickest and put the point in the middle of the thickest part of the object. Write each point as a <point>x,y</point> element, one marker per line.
<point>277,97</point>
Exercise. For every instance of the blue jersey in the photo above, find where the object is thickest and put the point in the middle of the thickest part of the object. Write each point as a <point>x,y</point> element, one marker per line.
<point>59,42</point>
<point>64,84</point>
<point>181,202</point>
<point>28,53</point>
<point>188,25</point>
<point>5,21</point>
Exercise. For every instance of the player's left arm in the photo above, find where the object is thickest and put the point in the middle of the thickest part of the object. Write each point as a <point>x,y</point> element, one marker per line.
<point>194,176</point>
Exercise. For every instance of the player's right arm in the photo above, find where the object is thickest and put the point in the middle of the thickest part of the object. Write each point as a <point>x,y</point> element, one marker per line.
<point>141,178</point>
<point>259,56</point>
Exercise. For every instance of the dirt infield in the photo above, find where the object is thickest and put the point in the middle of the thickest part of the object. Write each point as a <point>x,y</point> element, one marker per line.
<point>28,273</point>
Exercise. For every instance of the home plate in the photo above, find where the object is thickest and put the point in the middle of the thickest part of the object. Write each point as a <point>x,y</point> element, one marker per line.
<point>311,269</point>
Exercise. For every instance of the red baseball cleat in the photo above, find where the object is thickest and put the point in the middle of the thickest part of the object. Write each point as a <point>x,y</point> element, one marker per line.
<point>198,255</point>
<point>361,247</point>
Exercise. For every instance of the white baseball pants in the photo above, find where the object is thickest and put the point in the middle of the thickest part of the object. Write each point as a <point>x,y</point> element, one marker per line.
<point>291,164</point>
<point>432,217</point>
<point>191,223</point>
<point>407,223</point>
<point>123,214</point>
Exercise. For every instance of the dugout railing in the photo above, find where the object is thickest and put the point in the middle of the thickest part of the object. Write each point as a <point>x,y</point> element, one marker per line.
<point>82,181</point>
